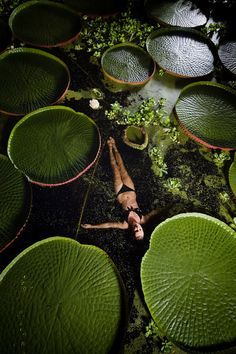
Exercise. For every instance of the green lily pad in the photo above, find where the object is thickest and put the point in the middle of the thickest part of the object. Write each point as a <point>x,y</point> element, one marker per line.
<point>180,13</point>
<point>232,176</point>
<point>95,7</point>
<point>227,55</point>
<point>58,24</point>
<point>207,113</point>
<point>189,280</point>
<point>15,202</point>
<point>5,35</point>
<point>54,145</point>
<point>182,52</point>
<point>59,296</point>
<point>135,137</point>
<point>30,79</point>
<point>127,63</point>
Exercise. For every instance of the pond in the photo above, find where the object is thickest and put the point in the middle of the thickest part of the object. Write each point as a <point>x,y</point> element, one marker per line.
<point>185,165</point>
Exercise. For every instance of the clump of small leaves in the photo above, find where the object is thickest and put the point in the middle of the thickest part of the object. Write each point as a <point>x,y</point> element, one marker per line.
<point>146,114</point>
<point>213,28</point>
<point>215,156</point>
<point>159,167</point>
<point>172,184</point>
<point>154,333</point>
<point>98,34</point>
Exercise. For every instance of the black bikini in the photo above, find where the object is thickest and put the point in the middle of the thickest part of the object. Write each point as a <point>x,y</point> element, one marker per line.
<point>124,189</point>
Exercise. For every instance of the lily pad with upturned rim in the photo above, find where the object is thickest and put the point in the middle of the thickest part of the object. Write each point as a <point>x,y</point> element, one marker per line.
<point>15,202</point>
<point>127,63</point>
<point>207,113</point>
<point>97,8</point>
<point>232,176</point>
<point>5,35</point>
<point>30,79</point>
<point>227,55</point>
<point>189,279</point>
<point>182,52</point>
<point>135,137</point>
<point>54,145</point>
<point>59,25</point>
<point>175,13</point>
<point>59,296</point>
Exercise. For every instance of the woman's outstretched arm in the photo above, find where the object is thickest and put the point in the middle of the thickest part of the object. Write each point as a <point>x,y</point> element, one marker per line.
<point>107,225</point>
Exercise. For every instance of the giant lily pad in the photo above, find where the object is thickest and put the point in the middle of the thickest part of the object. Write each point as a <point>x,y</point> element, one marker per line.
<point>227,55</point>
<point>180,13</point>
<point>232,176</point>
<point>182,52</point>
<point>15,202</point>
<point>189,280</point>
<point>58,296</point>
<point>128,63</point>
<point>95,7</point>
<point>5,35</point>
<point>54,145</point>
<point>207,113</point>
<point>30,79</point>
<point>58,24</point>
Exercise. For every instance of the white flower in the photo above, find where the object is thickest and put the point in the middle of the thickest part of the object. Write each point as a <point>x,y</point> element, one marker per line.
<point>94,104</point>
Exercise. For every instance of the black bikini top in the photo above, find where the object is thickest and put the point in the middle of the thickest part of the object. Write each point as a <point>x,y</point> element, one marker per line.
<point>136,210</point>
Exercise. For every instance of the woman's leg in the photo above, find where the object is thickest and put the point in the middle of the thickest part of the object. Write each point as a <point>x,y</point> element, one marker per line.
<point>115,169</point>
<point>126,179</point>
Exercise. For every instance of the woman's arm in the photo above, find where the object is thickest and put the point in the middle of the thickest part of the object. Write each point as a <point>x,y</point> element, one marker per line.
<point>107,225</point>
<point>150,216</point>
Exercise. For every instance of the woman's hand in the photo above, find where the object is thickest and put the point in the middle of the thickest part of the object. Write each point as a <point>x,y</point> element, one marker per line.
<point>86,226</point>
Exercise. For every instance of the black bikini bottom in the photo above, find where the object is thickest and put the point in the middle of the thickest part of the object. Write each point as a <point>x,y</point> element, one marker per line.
<point>124,189</point>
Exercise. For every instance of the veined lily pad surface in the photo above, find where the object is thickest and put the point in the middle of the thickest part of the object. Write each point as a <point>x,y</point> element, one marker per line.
<point>94,7</point>
<point>5,35</point>
<point>58,296</point>
<point>176,13</point>
<point>227,55</point>
<point>30,79</point>
<point>58,24</point>
<point>232,176</point>
<point>207,112</point>
<point>128,63</point>
<point>54,145</point>
<point>182,52</point>
<point>15,202</point>
<point>189,280</point>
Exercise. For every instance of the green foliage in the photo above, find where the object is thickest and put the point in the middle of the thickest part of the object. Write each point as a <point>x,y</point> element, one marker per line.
<point>97,35</point>
<point>145,115</point>
<point>213,28</point>
<point>173,184</point>
<point>159,167</point>
<point>6,6</point>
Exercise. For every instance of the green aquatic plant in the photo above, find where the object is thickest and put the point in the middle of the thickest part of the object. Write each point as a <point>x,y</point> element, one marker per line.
<point>213,28</point>
<point>59,296</point>
<point>147,114</point>
<point>97,35</point>
<point>159,167</point>
<point>190,256</point>
<point>173,184</point>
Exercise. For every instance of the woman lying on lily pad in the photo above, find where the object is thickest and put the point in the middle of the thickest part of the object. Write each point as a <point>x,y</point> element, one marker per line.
<point>126,197</point>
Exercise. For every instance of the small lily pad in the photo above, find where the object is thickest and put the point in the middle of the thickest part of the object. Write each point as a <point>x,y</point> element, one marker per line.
<point>30,79</point>
<point>189,280</point>
<point>15,202</point>
<point>135,137</point>
<point>227,55</point>
<point>207,113</point>
<point>180,13</point>
<point>54,145</point>
<point>59,296</point>
<point>182,52</point>
<point>128,63</point>
<point>59,25</point>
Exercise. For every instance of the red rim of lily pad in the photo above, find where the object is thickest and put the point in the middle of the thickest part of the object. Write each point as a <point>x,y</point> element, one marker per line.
<point>51,4</point>
<point>129,83</point>
<point>186,131</point>
<point>38,52</point>
<point>72,158</point>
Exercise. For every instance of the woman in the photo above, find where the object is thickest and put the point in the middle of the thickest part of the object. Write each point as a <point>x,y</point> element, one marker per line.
<point>126,196</point>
